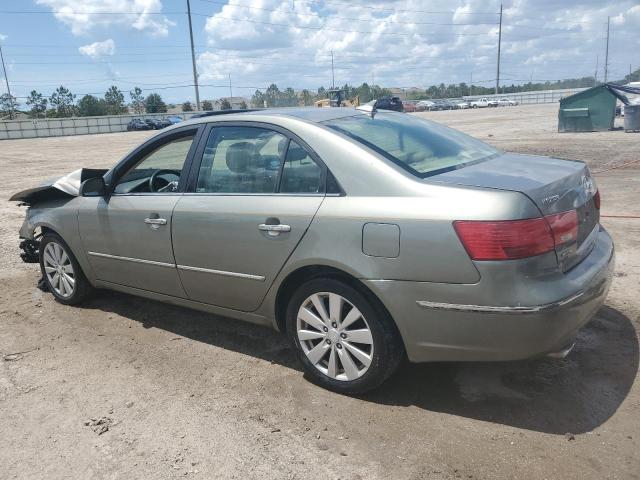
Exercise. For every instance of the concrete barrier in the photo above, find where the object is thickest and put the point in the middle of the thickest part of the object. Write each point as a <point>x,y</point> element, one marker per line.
<point>54,127</point>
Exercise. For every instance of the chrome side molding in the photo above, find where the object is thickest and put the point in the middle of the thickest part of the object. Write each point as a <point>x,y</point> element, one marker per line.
<point>246,276</point>
<point>129,259</point>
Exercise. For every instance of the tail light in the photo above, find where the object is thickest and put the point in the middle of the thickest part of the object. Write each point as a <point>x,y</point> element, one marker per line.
<point>596,200</point>
<point>514,239</point>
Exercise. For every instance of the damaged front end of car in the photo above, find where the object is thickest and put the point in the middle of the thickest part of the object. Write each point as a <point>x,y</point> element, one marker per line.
<point>65,187</point>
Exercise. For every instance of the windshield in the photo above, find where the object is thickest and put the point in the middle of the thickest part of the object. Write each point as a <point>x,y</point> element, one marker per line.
<point>424,148</point>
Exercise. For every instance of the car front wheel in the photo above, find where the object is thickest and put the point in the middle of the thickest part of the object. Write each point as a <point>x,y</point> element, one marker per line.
<point>345,343</point>
<point>61,271</point>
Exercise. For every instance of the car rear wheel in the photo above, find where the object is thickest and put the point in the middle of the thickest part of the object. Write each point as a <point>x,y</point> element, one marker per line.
<point>344,343</point>
<point>61,271</point>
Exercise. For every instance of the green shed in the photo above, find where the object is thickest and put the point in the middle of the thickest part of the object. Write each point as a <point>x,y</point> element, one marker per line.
<point>591,110</point>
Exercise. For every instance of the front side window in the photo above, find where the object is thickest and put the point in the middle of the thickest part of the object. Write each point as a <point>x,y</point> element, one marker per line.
<point>159,171</point>
<point>424,148</point>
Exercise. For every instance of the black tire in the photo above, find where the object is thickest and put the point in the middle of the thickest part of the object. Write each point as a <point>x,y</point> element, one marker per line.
<point>388,349</point>
<point>82,290</point>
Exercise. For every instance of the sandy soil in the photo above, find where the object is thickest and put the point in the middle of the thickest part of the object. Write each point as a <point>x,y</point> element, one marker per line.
<point>188,394</point>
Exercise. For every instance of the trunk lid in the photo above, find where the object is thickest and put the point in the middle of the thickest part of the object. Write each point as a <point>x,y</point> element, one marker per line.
<point>554,185</point>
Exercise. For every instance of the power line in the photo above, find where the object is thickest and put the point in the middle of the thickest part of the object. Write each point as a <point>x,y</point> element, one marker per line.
<point>337,17</point>
<point>380,9</point>
<point>307,27</point>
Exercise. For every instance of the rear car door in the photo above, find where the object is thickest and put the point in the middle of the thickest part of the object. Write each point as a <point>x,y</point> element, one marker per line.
<point>252,199</point>
<point>127,234</point>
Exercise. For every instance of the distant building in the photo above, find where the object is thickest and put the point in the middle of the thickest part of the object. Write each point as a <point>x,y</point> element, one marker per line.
<point>235,102</point>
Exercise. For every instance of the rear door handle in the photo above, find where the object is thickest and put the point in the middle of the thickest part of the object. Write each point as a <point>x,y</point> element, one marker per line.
<point>274,230</point>
<point>155,221</point>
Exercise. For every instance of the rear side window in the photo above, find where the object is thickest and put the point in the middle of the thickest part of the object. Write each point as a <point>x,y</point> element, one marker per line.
<point>246,160</point>
<point>422,147</point>
<point>300,173</point>
<point>241,160</point>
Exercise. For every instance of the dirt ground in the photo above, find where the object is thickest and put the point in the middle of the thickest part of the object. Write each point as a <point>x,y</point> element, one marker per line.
<point>185,394</point>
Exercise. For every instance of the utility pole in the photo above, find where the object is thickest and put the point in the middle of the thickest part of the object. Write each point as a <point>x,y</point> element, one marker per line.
<point>471,85</point>
<point>499,42</point>
<point>193,58</point>
<point>595,75</point>
<point>230,90</point>
<point>333,78</point>
<point>4,70</point>
<point>606,55</point>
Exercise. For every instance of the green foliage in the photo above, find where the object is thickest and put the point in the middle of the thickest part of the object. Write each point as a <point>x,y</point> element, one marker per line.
<point>187,107</point>
<point>224,104</point>
<point>206,105</point>
<point>243,105</point>
<point>114,99</point>
<point>38,104</point>
<point>154,104</point>
<point>274,97</point>
<point>137,100</point>
<point>8,105</point>
<point>62,102</point>
<point>90,106</point>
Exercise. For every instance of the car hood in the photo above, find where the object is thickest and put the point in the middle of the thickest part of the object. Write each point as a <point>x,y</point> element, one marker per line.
<point>60,187</point>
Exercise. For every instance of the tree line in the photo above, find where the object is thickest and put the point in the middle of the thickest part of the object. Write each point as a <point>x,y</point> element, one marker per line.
<point>62,104</point>
<point>274,97</point>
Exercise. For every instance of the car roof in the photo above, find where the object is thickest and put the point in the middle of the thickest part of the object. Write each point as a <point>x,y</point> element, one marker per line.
<point>310,114</point>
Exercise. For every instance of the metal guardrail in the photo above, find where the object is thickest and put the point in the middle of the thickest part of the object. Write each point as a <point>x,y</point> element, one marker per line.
<point>57,127</point>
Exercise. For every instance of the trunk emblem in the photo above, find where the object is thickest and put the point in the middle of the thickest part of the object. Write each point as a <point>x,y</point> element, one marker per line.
<point>546,201</point>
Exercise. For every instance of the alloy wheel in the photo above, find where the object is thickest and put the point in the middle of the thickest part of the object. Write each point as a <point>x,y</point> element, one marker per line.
<point>59,269</point>
<point>334,336</point>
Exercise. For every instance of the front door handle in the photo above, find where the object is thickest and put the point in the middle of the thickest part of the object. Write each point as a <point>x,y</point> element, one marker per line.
<point>274,230</point>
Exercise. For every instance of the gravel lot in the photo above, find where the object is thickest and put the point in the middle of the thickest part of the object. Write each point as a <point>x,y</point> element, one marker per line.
<point>183,393</point>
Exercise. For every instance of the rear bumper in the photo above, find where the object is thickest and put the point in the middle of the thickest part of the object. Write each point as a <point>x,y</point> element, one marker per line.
<point>458,322</point>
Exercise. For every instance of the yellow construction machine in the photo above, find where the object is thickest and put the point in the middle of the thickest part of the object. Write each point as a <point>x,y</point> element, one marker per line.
<point>337,98</point>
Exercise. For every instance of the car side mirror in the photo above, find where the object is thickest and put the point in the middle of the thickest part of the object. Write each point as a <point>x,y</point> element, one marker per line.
<point>93,187</point>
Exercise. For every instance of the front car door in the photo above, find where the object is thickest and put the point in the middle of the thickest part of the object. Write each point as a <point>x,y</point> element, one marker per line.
<point>254,195</point>
<point>127,234</point>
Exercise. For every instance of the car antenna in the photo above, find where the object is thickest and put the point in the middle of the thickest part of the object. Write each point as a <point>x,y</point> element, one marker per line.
<point>369,108</point>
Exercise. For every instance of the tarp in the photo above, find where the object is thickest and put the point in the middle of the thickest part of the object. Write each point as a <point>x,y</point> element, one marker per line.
<point>616,90</point>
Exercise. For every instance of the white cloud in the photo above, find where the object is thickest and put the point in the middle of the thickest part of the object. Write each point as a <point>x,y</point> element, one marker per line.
<point>3,37</point>
<point>85,16</point>
<point>99,49</point>
<point>404,43</point>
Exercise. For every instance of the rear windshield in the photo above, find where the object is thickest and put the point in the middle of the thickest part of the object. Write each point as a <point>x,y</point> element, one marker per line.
<point>422,147</point>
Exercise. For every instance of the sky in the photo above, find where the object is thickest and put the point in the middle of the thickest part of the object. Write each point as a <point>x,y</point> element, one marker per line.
<point>89,45</point>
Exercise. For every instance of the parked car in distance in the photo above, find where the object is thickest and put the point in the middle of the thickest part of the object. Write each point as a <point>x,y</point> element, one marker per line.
<point>449,250</point>
<point>158,123</point>
<point>506,102</point>
<point>174,119</point>
<point>445,104</point>
<point>481,103</point>
<point>409,106</point>
<point>423,105</point>
<point>461,104</point>
<point>389,103</point>
<point>137,124</point>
